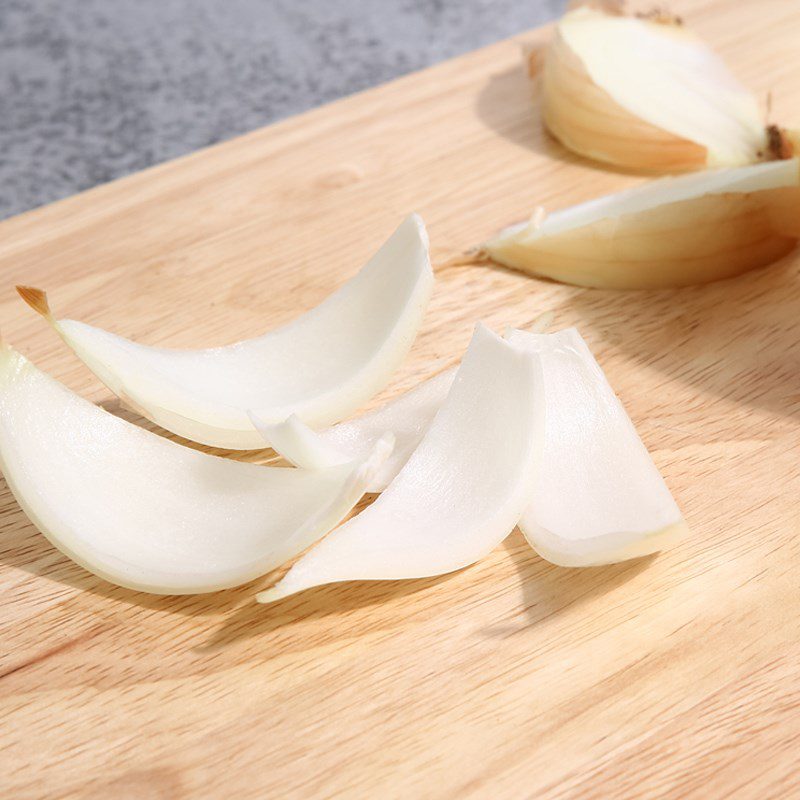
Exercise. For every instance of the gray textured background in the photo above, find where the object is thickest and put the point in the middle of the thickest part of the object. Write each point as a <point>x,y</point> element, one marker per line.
<point>94,89</point>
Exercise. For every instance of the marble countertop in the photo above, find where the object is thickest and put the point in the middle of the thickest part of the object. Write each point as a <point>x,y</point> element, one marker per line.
<point>91,90</point>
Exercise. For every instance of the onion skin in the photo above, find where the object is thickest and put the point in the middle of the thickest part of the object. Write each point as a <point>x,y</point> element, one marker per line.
<point>692,241</point>
<point>588,121</point>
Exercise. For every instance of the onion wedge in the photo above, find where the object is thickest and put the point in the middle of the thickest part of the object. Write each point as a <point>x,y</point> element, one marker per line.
<point>321,367</point>
<point>598,498</point>
<point>408,418</point>
<point>146,513</point>
<point>646,94</point>
<point>459,494</point>
<point>664,233</point>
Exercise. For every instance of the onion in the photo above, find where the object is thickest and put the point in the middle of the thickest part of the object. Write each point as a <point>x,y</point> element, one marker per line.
<point>669,232</point>
<point>646,94</point>
<point>408,418</point>
<point>146,513</point>
<point>321,367</point>
<point>459,494</point>
<point>598,498</point>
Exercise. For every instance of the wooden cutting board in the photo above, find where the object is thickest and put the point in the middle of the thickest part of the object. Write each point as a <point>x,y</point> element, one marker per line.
<point>673,676</point>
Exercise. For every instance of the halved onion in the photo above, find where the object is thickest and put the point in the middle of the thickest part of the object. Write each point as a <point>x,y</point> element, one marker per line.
<point>598,498</point>
<point>321,367</point>
<point>408,418</point>
<point>646,94</point>
<point>147,513</point>
<point>669,232</point>
<point>459,494</point>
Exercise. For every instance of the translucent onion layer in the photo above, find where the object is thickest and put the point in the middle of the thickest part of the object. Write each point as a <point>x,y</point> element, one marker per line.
<point>322,366</point>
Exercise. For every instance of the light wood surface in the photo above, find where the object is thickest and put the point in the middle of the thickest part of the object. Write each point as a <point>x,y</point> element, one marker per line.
<point>676,676</point>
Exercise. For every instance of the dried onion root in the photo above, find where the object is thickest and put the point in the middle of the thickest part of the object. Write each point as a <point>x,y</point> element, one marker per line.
<point>644,93</point>
<point>669,232</point>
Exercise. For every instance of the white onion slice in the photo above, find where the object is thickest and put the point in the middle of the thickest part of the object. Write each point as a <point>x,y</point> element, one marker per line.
<point>646,94</point>
<point>461,492</point>
<point>599,498</point>
<point>321,367</point>
<point>147,513</point>
<point>408,417</point>
<point>669,232</point>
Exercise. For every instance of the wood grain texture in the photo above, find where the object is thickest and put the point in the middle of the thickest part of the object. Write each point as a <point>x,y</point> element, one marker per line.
<point>675,676</point>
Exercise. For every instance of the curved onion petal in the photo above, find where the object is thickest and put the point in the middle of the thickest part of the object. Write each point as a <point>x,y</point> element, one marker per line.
<point>599,497</point>
<point>321,367</point>
<point>147,513</point>
<point>669,232</point>
<point>461,492</point>
<point>408,418</point>
<point>646,94</point>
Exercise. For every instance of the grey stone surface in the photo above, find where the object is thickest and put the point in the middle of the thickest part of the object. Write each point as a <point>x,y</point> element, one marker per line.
<point>94,89</point>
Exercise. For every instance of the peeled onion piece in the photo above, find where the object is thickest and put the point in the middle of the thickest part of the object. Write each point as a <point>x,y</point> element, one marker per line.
<point>664,233</point>
<point>146,513</point>
<point>322,366</point>
<point>459,494</point>
<point>647,94</point>
<point>599,497</point>
<point>408,418</point>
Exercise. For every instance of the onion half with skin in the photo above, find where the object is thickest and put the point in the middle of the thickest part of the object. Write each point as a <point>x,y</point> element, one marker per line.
<point>646,94</point>
<point>459,494</point>
<point>322,366</point>
<point>146,513</point>
<point>598,497</point>
<point>664,233</point>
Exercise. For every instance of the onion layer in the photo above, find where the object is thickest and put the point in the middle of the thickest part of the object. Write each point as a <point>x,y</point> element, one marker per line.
<point>646,94</point>
<point>460,493</point>
<point>321,367</point>
<point>146,513</point>
<point>598,497</point>
<point>669,232</point>
<point>408,418</point>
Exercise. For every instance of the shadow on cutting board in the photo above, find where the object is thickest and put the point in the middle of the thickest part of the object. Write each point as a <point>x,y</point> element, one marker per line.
<point>253,619</point>
<point>547,590</point>
<point>509,105</point>
<point>736,340</point>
